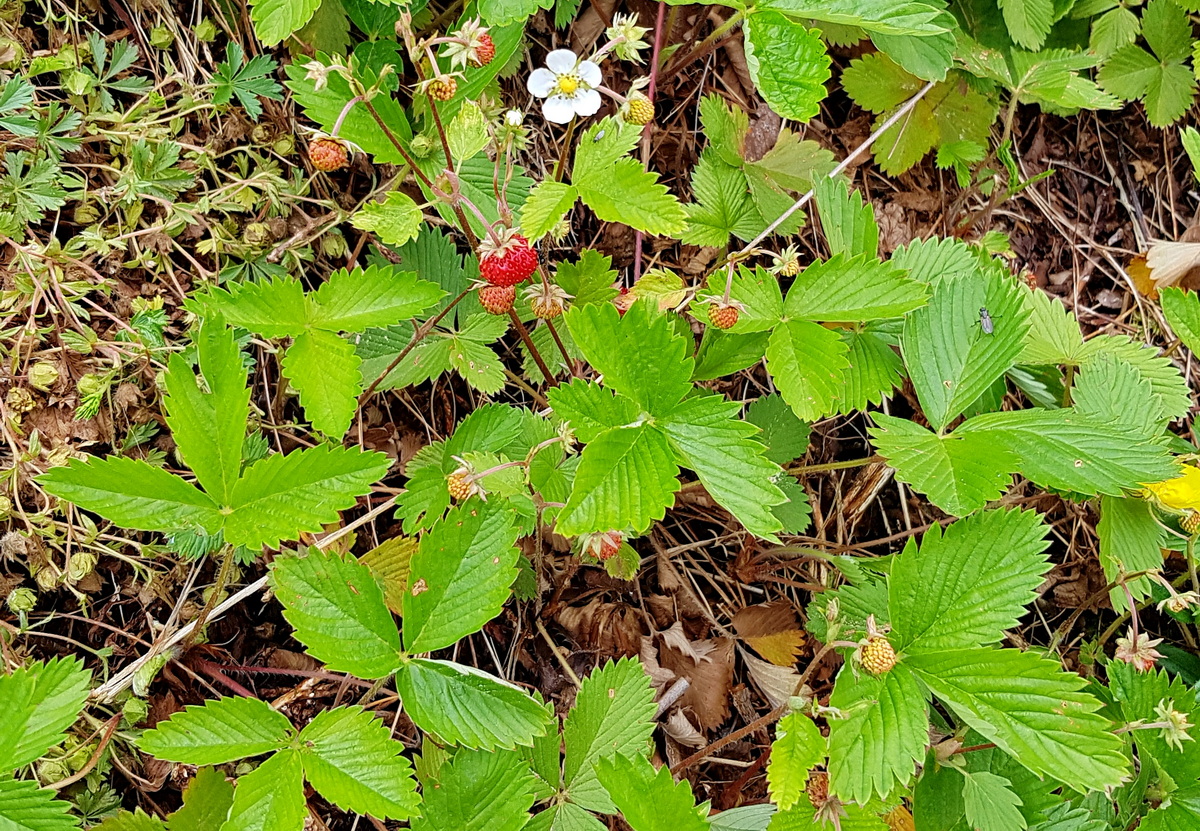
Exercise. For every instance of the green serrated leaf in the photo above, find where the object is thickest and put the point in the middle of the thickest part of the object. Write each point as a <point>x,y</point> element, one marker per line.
<point>883,736</point>
<point>1028,21</point>
<point>395,220</point>
<point>807,362</point>
<point>969,584</point>
<point>787,63</point>
<point>26,807</point>
<point>351,759</point>
<point>220,730</point>
<point>324,369</point>
<point>276,19</point>
<point>848,223</point>
<point>618,188</point>
<point>271,797</point>
<point>282,496</point>
<point>1031,709</point>
<point>338,611</point>
<point>990,803</point>
<point>467,707</point>
<point>460,577</point>
<point>613,715</point>
<point>797,748</point>
<point>850,289</point>
<point>1182,309</point>
<point>206,802</point>
<point>545,207</point>
<point>361,299</point>
<point>875,370</point>
<point>649,800</point>
<point>41,700</point>
<point>785,436</point>
<point>139,820</point>
<point>1131,540</point>
<point>479,791</point>
<point>590,409</point>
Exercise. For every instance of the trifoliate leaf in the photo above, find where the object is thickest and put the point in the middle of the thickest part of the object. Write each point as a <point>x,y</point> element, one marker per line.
<point>352,760</point>
<point>883,735</point>
<point>966,586</point>
<point>798,747</point>
<point>460,577</point>
<point>649,800</point>
<point>219,731</point>
<point>1030,708</point>
<point>613,715</point>
<point>465,706</point>
<point>271,797</point>
<point>1161,79</point>
<point>338,611</point>
<point>41,700</point>
<point>788,64</point>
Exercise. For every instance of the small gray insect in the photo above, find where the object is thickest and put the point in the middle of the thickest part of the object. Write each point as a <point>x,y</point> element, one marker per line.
<point>599,135</point>
<point>985,321</point>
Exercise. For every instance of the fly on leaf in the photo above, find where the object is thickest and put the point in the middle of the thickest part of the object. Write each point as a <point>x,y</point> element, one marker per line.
<point>985,321</point>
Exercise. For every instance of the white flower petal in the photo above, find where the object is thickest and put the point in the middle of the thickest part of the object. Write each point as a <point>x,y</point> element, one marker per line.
<point>587,102</point>
<point>541,82</point>
<point>559,108</point>
<point>562,61</point>
<point>590,73</point>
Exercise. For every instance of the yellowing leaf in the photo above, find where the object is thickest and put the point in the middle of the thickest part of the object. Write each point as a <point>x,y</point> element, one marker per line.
<point>772,629</point>
<point>389,562</point>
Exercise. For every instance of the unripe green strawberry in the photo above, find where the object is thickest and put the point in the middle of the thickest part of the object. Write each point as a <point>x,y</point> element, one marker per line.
<point>328,154</point>
<point>460,488</point>
<point>722,315</point>
<point>497,300</point>
<point>1191,522</point>
<point>546,300</point>
<point>639,109</point>
<point>442,88</point>
<point>877,655</point>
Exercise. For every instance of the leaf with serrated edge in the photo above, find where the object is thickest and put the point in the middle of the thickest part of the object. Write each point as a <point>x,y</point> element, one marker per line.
<point>1053,336</point>
<point>206,802</point>
<point>951,360</point>
<point>807,362</point>
<point>139,820</point>
<point>41,701</point>
<point>788,63</point>
<point>990,803</point>
<point>1031,709</point>
<point>649,800</point>
<point>133,494</point>
<point>271,797</point>
<point>757,290</point>
<point>639,354</point>
<point>351,759</point>
<point>875,370</point>
<point>1182,309</point>
<point>468,707</point>
<point>883,736</point>
<point>1131,540</point>
<point>479,791</point>
<point>849,224</point>
<point>847,289</point>
<point>968,584</point>
<point>209,428</point>
<point>338,611</point>
<point>281,496</point>
<point>785,436</point>
<point>460,577</point>
<point>798,747</point>
<point>353,301</point>
<point>220,730</point>
<point>26,807</point>
<point>274,308</point>
<point>728,459</point>
<point>545,207</point>
<point>627,477</point>
<point>613,714</point>
<point>590,409</point>
<point>324,369</point>
<point>395,220</point>
<point>274,20</point>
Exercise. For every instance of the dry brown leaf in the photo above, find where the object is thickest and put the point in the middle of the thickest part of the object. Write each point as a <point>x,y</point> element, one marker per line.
<point>772,629</point>
<point>613,629</point>
<point>674,637</point>
<point>778,684</point>
<point>661,678</point>
<point>1170,262</point>
<point>711,678</point>
<point>389,562</point>
<point>683,731</point>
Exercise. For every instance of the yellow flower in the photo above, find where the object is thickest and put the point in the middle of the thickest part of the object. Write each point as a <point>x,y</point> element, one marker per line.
<point>1180,493</point>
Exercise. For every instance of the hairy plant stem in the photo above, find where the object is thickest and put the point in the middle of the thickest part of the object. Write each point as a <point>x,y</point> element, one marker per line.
<point>561,347</point>
<point>842,465</point>
<point>533,350</point>
<point>214,597</point>
<point>418,333</point>
<point>566,148</point>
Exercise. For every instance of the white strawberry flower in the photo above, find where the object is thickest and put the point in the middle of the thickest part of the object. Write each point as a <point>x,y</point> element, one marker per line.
<point>568,84</point>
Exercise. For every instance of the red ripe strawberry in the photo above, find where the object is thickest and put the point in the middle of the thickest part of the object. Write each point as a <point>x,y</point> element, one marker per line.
<point>497,300</point>
<point>442,88</point>
<point>507,261</point>
<point>484,51</point>
<point>328,154</point>
<point>722,315</point>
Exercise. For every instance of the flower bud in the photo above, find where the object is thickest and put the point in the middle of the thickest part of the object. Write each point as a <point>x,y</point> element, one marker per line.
<point>43,375</point>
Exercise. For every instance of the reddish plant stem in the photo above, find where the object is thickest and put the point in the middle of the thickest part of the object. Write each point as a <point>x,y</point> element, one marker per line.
<point>638,236</point>
<point>537,356</point>
<point>420,332</point>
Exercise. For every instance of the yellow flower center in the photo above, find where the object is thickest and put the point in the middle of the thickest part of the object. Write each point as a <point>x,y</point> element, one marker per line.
<point>567,84</point>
